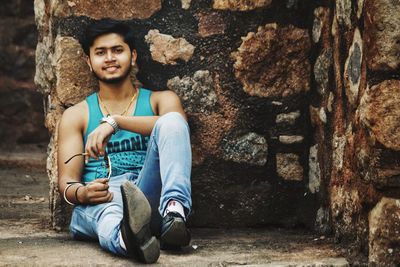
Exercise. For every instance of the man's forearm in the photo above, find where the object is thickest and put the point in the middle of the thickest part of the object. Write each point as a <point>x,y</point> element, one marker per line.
<point>138,124</point>
<point>69,191</point>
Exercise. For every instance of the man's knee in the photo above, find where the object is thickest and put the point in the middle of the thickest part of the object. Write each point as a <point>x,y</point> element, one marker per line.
<point>173,121</point>
<point>173,115</point>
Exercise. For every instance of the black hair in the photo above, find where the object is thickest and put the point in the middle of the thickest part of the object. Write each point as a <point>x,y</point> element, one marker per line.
<point>105,26</point>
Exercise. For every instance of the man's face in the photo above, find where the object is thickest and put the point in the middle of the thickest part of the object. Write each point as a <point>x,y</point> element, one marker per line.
<point>111,58</point>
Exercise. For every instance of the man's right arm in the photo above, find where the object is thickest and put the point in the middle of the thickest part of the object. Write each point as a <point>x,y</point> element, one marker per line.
<point>70,142</point>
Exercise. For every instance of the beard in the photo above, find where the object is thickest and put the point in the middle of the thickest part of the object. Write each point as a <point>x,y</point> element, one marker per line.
<point>115,80</point>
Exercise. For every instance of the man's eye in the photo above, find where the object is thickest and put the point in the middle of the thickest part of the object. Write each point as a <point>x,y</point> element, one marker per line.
<point>119,50</point>
<point>100,53</point>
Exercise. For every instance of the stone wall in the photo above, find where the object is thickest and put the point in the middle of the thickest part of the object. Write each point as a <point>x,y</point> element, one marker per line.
<point>243,72</point>
<point>356,116</point>
<point>293,106</point>
<point>21,108</point>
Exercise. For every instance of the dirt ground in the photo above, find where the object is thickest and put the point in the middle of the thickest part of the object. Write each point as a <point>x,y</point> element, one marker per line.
<point>27,240</point>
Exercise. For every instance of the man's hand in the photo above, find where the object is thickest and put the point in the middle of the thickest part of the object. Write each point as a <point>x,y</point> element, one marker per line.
<point>97,141</point>
<point>95,192</point>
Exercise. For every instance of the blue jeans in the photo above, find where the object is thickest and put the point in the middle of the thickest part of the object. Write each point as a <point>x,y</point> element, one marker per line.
<point>165,175</point>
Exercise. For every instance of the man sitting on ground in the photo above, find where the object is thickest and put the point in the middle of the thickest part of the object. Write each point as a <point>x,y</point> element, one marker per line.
<point>136,162</point>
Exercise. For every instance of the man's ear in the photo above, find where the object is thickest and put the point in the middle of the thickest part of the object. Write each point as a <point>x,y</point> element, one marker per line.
<point>134,57</point>
<point>88,62</point>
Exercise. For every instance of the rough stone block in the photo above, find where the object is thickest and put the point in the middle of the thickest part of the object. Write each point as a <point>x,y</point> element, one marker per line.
<point>338,146</point>
<point>288,118</point>
<point>54,111</point>
<point>41,17</point>
<point>382,34</point>
<point>45,74</point>
<point>321,16</point>
<point>211,24</point>
<point>74,80</point>
<point>291,139</point>
<point>322,68</point>
<point>241,5</point>
<point>331,100</point>
<point>322,221</point>
<point>380,112</point>
<point>314,116</point>
<point>352,68</point>
<point>380,166</point>
<point>345,206</point>
<point>322,115</point>
<point>206,137</point>
<point>186,4</point>
<point>250,149</point>
<point>343,13</point>
<point>314,172</point>
<point>274,61</point>
<point>360,6</point>
<point>123,9</point>
<point>167,49</point>
<point>288,167</point>
<point>197,93</point>
<point>384,233</point>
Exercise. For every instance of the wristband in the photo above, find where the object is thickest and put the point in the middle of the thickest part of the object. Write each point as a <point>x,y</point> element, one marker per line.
<point>110,120</point>
<point>76,194</point>
<point>65,195</point>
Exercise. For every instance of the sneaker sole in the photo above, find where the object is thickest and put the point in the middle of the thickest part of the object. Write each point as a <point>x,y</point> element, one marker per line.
<point>176,235</point>
<point>137,211</point>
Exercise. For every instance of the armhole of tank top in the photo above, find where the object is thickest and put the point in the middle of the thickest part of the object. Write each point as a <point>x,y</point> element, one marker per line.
<point>138,101</point>
<point>85,130</point>
<point>149,107</point>
<point>90,114</point>
<point>143,105</point>
<point>153,113</point>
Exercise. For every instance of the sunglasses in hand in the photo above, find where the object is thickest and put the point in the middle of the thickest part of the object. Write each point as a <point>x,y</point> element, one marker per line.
<point>106,162</point>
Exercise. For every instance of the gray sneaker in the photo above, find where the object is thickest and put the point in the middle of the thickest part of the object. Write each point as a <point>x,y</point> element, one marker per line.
<point>135,225</point>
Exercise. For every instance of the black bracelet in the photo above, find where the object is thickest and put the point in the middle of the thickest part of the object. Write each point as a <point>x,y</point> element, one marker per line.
<point>76,194</point>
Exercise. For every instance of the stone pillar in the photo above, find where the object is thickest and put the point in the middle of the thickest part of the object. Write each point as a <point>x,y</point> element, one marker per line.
<point>357,121</point>
<point>384,229</point>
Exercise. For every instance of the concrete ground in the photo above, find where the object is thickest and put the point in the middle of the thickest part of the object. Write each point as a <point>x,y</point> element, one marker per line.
<point>27,240</point>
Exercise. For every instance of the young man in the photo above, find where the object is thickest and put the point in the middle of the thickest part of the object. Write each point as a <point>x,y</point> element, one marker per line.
<point>136,155</point>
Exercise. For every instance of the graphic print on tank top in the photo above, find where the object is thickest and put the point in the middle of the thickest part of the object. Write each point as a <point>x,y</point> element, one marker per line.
<point>126,156</point>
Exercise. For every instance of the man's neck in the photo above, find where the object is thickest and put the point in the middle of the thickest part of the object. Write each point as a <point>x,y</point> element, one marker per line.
<point>119,91</point>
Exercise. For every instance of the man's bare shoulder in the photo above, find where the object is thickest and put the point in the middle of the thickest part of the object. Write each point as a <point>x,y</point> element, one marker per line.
<point>75,115</point>
<point>167,101</point>
<point>165,94</point>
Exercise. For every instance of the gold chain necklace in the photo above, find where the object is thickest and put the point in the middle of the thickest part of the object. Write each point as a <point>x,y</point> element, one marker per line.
<point>126,109</point>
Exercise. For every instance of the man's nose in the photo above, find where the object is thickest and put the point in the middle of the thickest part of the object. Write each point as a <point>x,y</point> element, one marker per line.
<point>109,55</point>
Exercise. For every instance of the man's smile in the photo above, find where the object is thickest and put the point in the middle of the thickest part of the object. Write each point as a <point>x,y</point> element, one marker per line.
<point>111,68</point>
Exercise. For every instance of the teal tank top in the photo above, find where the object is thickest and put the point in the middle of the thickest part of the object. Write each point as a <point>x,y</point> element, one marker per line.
<point>127,150</point>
